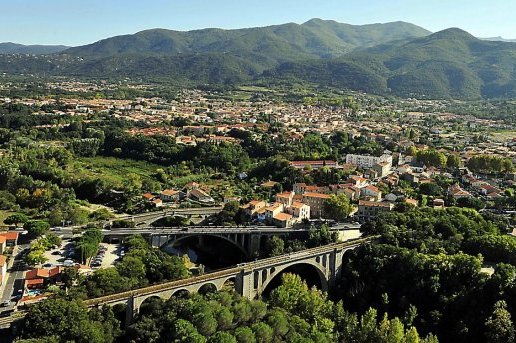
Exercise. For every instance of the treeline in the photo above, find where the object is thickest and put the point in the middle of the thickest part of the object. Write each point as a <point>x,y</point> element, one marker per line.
<point>490,164</point>
<point>427,268</point>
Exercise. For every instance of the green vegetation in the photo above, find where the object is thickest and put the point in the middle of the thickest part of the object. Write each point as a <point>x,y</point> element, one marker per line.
<point>294,313</point>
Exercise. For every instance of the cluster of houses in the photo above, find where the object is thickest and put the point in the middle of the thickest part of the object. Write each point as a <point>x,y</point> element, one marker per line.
<point>192,192</point>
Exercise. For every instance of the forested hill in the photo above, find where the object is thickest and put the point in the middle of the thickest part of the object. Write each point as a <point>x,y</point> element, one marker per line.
<point>13,48</point>
<point>448,64</point>
<point>398,59</point>
<point>315,38</point>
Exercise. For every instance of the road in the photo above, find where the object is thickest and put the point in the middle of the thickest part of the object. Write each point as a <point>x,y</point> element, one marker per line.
<point>15,278</point>
<point>218,229</point>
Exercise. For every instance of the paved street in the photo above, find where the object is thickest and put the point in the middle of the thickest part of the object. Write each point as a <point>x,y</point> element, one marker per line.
<point>15,277</point>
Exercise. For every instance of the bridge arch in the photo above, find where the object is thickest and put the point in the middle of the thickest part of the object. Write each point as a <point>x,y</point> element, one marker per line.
<point>313,266</point>
<point>176,240</point>
<point>180,293</point>
<point>206,288</point>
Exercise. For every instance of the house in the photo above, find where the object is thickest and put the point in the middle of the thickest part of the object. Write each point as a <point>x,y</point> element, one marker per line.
<point>283,220</point>
<point>11,238</point>
<point>371,192</point>
<point>285,198</point>
<point>171,195</point>
<point>391,197</point>
<point>157,202</point>
<point>457,192</point>
<point>273,210</point>
<point>438,203</point>
<point>357,181</point>
<point>3,268</point>
<point>299,211</point>
<point>382,168</point>
<point>39,277</point>
<point>253,207</point>
<point>200,195</point>
<point>316,202</point>
<point>368,210</point>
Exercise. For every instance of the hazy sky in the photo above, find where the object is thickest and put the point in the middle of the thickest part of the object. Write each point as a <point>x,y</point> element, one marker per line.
<point>76,22</point>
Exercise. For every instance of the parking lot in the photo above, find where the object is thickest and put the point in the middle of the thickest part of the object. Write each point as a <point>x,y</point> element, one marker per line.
<point>109,254</point>
<point>106,257</point>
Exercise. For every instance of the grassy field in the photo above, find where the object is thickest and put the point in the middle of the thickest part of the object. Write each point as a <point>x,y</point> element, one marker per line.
<point>113,169</point>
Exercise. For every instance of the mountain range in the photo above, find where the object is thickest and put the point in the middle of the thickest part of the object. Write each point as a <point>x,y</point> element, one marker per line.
<point>13,48</point>
<point>396,58</point>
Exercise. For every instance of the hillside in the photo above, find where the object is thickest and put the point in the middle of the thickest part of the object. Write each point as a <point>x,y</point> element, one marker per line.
<point>13,48</point>
<point>315,38</point>
<point>450,63</point>
<point>390,59</point>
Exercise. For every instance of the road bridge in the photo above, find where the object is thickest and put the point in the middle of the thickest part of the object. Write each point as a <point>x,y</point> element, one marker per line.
<point>151,217</point>
<point>248,240</point>
<point>249,279</point>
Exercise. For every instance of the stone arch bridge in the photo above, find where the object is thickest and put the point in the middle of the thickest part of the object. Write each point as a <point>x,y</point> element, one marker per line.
<point>248,279</point>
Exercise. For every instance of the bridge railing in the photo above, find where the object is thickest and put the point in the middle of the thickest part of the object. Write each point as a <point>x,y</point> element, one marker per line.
<point>224,272</point>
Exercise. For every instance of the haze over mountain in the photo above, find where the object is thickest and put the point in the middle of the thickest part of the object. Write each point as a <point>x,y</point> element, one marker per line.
<point>13,48</point>
<point>395,58</point>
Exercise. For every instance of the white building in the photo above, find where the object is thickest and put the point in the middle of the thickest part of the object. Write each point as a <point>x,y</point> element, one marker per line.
<point>367,161</point>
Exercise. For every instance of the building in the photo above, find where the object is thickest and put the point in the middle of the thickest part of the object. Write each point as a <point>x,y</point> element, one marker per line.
<point>171,195</point>
<point>3,268</point>
<point>316,202</point>
<point>457,192</point>
<point>371,192</point>
<point>368,210</point>
<point>299,211</point>
<point>11,238</point>
<point>253,207</point>
<point>368,161</point>
<point>200,196</point>
<point>383,169</point>
<point>273,210</point>
<point>283,220</point>
<point>38,278</point>
<point>3,244</point>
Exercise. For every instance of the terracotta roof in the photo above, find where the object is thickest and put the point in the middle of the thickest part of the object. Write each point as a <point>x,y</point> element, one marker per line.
<point>3,259</point>
<point>169,192</point>
<point>34,282</point>
<point>298,204</point>
<point>10,236</point>
<point>3,239</point>
<point>283,217</point>
<point>316,195</point>
<point>148,196</point>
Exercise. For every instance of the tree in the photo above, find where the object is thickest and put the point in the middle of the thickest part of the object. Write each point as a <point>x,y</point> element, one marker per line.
<point>16,219</point>
<point>499,326</point>
<point>36,228</point>
<point>337,207</point>
<point>244,334</point>
<point>274,246</point>
<point>453,161</point>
